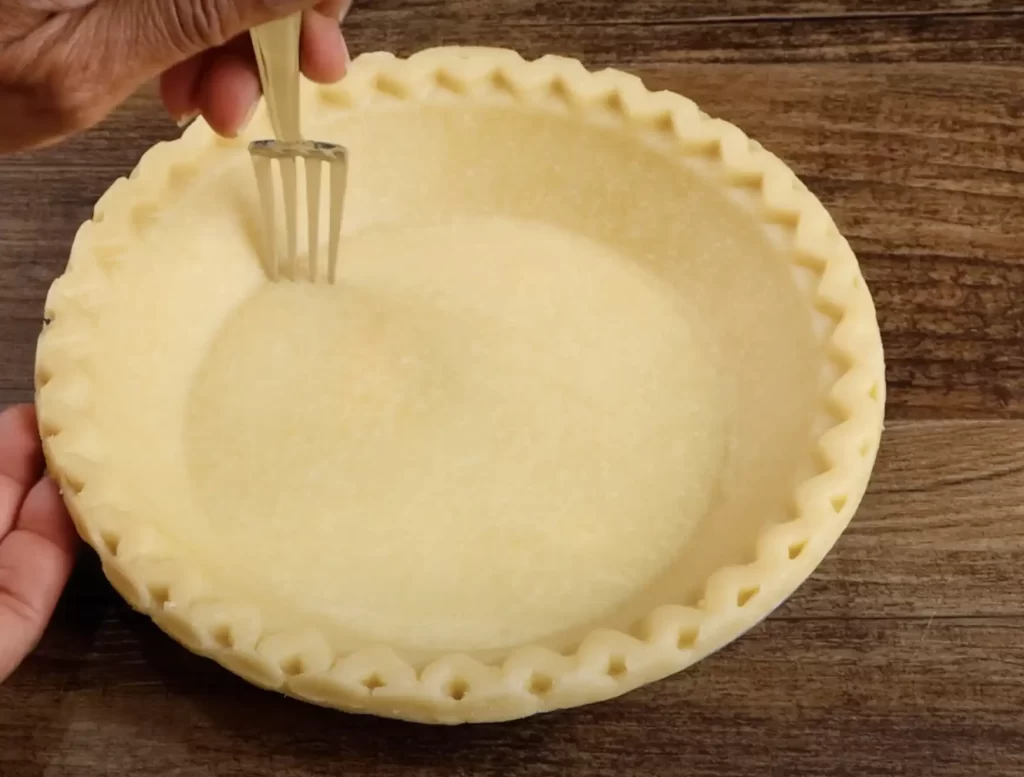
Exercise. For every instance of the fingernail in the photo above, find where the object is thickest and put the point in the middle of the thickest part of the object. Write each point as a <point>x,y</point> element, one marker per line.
<point>248,118</point>
<point>187,119</point>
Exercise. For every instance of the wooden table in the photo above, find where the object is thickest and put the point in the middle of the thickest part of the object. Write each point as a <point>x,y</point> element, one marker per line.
<point>904,655</point>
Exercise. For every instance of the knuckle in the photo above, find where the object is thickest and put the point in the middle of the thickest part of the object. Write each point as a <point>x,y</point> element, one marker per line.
<point>72,96</point>
<point>67,97</point>
<point>15,602</point>
<point>200,24</point>
<point>53,85</point>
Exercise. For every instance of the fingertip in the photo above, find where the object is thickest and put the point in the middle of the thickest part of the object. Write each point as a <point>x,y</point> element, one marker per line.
<point>229,92</point>
<point>324,51</point>
<point>36,560</point>
<point>178,89</point>
<point>21,457</point>
<point>23,415</point>
<point>44,514</point>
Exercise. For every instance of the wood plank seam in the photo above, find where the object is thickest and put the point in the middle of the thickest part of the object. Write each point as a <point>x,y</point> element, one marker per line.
<point>704,21</point>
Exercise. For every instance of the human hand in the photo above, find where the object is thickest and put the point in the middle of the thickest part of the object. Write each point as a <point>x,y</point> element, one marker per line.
<point>66,64</point>
<point>38,542</point>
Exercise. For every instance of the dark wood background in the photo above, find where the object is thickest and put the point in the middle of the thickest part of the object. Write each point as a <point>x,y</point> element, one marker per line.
<point>903,655</point>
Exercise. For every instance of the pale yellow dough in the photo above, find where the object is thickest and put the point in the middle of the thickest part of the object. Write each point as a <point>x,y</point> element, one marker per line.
<point>599,384</point>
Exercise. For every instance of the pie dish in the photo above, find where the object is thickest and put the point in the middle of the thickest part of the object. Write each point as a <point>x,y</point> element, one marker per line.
<point>599,386</point>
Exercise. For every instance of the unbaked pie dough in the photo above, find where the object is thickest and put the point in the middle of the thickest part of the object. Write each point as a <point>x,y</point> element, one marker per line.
<point>598,386</point>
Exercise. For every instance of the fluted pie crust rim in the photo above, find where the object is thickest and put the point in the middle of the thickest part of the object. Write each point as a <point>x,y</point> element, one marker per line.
<point>458,688</point>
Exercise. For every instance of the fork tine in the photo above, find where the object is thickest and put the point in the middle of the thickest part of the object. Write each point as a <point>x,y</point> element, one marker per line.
<point>265,189</point>
<point>339,182</point>
<point>313,177</point>
<point>314,154</point>
<point>290,185</point>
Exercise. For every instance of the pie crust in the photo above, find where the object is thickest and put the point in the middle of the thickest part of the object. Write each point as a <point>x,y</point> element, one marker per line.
<point>599,386</point>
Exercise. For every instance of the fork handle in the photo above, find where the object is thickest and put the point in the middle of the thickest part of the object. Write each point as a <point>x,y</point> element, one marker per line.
<point>277,54</point>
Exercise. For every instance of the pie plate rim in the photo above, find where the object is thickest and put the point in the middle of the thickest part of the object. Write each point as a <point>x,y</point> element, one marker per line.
<point>458,688</point>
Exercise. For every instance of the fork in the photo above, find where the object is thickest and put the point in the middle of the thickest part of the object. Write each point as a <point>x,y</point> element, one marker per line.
<point>277,54</point>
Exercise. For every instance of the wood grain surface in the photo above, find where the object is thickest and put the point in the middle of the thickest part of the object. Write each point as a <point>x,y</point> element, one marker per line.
<point>903,655</point>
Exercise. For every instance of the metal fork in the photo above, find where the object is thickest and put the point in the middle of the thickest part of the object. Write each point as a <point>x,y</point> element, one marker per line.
<point>277,54</point>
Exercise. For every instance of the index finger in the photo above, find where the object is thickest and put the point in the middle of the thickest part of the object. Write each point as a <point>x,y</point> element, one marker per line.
<point>21,460</point>
<point>36,559</point>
